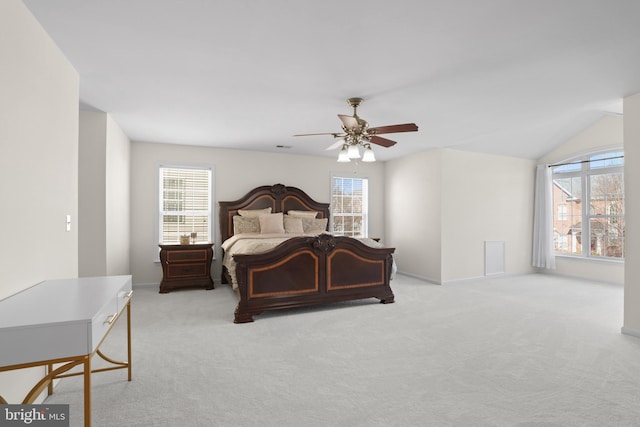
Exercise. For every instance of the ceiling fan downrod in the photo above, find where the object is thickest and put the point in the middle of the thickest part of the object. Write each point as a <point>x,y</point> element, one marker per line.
<point>362,124</point>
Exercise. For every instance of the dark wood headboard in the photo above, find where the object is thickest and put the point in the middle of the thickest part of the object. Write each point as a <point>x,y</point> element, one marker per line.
<point>279,197</point>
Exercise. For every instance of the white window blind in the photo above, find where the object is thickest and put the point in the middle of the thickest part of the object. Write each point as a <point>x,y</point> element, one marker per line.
<point>185,204</point>
<point>349,205</point>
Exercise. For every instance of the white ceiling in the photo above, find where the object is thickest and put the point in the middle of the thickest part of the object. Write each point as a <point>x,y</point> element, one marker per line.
<point>510,77</point>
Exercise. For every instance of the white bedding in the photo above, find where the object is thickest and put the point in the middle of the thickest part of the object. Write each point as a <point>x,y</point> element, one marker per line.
<point>254,243</point>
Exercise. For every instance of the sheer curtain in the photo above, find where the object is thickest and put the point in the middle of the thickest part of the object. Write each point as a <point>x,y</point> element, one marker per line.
<point>543,254</point>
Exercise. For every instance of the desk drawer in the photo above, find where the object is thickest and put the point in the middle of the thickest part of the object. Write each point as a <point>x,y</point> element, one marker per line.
<point>185,256</point>
<point>124,295</point>
<point>102,321</point>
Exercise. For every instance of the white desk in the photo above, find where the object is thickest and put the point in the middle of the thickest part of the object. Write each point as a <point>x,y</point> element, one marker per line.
<point>63,322</point>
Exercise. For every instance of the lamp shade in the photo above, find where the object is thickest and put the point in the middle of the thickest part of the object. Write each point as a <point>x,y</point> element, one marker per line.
<point>353,152</point>
<point>368,155</point>
<point>343,157</point>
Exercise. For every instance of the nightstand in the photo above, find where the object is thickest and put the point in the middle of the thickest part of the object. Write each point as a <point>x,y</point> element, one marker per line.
<point>186,266</point>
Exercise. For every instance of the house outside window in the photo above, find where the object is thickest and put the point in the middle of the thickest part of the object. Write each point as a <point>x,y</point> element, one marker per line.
<point>349,205</point>
<point>184,207</point>
<point>591,223</point>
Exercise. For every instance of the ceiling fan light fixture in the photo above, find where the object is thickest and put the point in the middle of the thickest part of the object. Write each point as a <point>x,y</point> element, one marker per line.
<point>368,155</point>
<point>343,157</point>
<point>358,133</point>
<point>353,152</point>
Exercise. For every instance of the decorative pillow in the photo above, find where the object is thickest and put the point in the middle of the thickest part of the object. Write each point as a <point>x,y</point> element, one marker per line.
<point>303,214</point>
<point>245,225</point>
<point>271,223</point>
<point>314,225</point>
<point>293,224</point>
<point>253,213</point>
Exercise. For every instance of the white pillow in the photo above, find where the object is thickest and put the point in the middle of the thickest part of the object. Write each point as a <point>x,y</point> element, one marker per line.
<point>254,213</point>
<point>303,214</point>
<point>271,223</point>
<point>293,224</point>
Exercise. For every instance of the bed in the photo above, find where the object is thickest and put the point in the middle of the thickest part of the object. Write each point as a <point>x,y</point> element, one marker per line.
<point>295,263</point>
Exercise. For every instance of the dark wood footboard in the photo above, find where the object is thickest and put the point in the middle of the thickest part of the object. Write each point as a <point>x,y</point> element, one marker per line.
<point>311,270</point>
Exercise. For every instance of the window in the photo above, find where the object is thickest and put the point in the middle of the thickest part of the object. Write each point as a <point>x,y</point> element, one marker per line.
<point>349,206</point>
<point>184,204</point>
<point>588,196</point>
<point>562,212</point>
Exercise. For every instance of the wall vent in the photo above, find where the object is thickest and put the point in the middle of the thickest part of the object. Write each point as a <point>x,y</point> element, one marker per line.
<point>493,257</point>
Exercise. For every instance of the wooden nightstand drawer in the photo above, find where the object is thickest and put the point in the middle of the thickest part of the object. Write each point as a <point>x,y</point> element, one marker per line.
<point>187,270</point>
<point>188,255</point>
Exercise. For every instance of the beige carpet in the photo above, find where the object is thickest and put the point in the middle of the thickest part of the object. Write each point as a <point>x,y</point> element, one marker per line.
<point>533,350</point>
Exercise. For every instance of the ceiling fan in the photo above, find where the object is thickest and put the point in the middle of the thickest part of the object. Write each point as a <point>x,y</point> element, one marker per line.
<point>356,132</point>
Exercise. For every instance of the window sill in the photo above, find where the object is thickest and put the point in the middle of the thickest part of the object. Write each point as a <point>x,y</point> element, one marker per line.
<point>613,261</point>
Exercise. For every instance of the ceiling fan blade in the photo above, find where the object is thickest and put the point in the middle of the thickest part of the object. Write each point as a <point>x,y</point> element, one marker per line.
<point>406,127</point>
<point>349,122</point>
<point>316,134</point>
<point>339,143</point>
<point>382,141</point>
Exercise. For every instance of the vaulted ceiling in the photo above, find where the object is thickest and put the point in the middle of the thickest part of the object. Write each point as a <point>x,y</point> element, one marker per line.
<point>497,76</point>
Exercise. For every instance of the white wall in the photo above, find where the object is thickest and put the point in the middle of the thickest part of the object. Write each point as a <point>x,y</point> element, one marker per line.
<point>235,173</point>
<point>118,196</point>
<point>443,204</point>
<point>631,323</point>
<point>485,198</point>
<point>92,203</point>
<point>38,165</point>
<point>607,133</point>
<point>103,196</point>
<point>414,213</point>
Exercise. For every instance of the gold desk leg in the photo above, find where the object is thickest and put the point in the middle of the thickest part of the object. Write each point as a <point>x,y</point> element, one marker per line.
<point>87,391</point>
<point>129,338</point>
<point>50,387</point>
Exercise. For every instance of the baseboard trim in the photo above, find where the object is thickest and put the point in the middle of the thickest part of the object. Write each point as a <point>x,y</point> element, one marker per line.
<point>466,280</point>
<point>630,331</point>
<point>157,285</point>
<point>145,285</point>
<point>415,276</point>
<point>484,278</point>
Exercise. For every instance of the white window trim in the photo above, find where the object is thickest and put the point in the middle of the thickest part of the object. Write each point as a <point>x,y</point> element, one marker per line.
<point>156,221</point>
